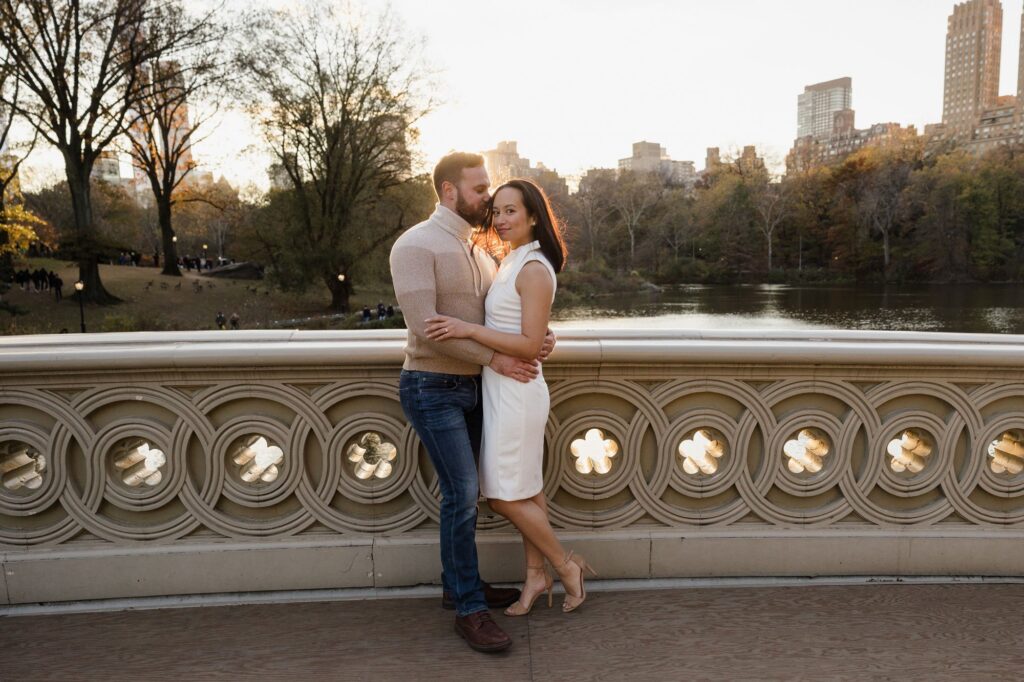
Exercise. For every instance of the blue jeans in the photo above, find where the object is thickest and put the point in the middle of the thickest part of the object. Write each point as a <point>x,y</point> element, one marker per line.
<point>446,410</point>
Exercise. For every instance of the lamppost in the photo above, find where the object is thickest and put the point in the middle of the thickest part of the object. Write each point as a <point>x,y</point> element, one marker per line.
<point>79,286</point>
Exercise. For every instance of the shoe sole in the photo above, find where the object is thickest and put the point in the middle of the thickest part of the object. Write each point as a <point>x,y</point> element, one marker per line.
<point>487,649</point>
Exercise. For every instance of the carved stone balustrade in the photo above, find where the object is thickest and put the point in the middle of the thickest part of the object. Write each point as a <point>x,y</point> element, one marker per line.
<point>199,462</point>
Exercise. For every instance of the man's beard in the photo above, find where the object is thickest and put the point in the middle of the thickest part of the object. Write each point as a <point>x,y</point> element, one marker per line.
<point>466,212</point>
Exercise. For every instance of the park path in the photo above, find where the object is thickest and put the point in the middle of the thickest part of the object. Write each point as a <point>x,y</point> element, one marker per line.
<point>854,632</point>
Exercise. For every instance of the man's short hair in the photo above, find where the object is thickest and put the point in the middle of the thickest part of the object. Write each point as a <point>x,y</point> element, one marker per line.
<point>449,168</point>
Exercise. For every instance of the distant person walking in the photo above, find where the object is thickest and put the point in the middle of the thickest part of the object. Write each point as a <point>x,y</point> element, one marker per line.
<point>58,285</point>
<point>234,321</point>
<point>222,322</point>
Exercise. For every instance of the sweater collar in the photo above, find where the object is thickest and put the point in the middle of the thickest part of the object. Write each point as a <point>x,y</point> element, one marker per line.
<point>452,223</point>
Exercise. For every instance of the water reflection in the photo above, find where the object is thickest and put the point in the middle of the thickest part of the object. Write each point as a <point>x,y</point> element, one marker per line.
<point>947,308</point>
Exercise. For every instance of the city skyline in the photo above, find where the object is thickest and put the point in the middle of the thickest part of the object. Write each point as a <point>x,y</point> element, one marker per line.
<point>611,76</point>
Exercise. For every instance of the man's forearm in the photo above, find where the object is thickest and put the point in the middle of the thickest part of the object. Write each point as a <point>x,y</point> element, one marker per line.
<point>416,308</point>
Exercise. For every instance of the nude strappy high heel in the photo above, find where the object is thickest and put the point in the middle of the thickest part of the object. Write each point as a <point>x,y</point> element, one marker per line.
<point>574,601</point>
<point>521,608</point>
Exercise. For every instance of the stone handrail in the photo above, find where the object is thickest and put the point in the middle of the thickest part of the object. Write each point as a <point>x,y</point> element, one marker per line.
<point>192,462</point>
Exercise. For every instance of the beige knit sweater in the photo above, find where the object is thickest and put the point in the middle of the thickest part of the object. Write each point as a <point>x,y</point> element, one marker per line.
<point>436,272</point>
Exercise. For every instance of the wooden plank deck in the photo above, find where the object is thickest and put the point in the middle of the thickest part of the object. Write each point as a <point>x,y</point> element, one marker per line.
<point>860,632</point>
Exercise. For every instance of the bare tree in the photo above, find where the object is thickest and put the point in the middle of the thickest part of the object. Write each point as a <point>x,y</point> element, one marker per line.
<point>12,230</point>
<point>166,124</point>
<point>79,62</point>
<point>771,201</point>
<point>337,102</point>
<point>593,207</point>
<point>677,226</point>
<point>10,162</point>
<point>881,200</point>
<point>635,194</point>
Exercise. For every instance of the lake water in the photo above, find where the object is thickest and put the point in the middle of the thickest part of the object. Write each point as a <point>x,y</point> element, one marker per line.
<point>975,308</point>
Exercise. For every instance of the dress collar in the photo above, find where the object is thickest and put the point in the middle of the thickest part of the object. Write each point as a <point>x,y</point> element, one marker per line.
<point>526,248</point>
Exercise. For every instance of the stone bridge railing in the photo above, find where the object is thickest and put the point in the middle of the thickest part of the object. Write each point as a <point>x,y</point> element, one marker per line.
<point>174,463</point>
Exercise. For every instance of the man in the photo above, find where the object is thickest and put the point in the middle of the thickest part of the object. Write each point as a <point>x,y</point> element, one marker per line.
<point>436,270</point>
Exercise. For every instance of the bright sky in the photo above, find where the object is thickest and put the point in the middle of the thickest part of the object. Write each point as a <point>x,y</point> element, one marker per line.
<point>576,82</point>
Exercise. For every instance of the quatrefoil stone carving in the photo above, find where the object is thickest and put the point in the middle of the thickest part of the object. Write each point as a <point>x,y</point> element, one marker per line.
<point>594,452</point>
<point>21,467</point>
<point>372,456</point>
<point>139,463</point>
<point>258,460</point>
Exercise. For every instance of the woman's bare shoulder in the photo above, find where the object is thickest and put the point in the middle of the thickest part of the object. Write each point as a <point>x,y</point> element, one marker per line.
<point>535,275</point>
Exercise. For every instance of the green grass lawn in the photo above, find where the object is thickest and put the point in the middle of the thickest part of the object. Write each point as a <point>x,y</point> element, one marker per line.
<point>152,302</point>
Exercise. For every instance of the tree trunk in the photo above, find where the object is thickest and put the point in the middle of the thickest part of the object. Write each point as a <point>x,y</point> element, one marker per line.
<point>340,292</point>
<point>87,251</point>
<point>163,207</point>
<point>769,253</point>
<point>885,248</point>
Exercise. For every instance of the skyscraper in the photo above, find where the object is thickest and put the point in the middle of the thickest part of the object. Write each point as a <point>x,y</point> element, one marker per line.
<point>973,43</point>
<point>1020,66</point>
<point>817,106</point>
<point>504,163</point>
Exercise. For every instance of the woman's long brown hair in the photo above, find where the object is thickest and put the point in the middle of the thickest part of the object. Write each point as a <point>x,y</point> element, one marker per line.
<point>547,230</point>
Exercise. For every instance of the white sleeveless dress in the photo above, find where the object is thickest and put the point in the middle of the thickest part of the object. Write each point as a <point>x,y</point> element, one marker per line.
<point>515,414</point>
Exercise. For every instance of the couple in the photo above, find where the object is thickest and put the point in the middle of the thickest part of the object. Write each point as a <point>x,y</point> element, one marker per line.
<point>465,313</point>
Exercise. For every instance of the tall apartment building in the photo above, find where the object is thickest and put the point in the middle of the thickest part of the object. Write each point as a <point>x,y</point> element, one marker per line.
<point>596,178</point>
<point>504,163</point>
<point>168,108</point>
<point>748,161</point>
<point>809,152</point>
<point>973,43</point>
<point>712,160</point>
<point>180,130</point>
<point>647,158</point>
<point>108,168</point>
<point>651,157</point>
<point>831,134</point>
<point>817,105</point>
<point>1020,65</point>
<point>974,115</point>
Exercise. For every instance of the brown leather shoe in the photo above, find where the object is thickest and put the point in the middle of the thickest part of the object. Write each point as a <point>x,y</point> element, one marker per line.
<point>481,632</point>
<point>496,597</point>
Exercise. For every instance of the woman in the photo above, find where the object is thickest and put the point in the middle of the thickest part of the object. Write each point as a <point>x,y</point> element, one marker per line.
<point>518,307</point>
